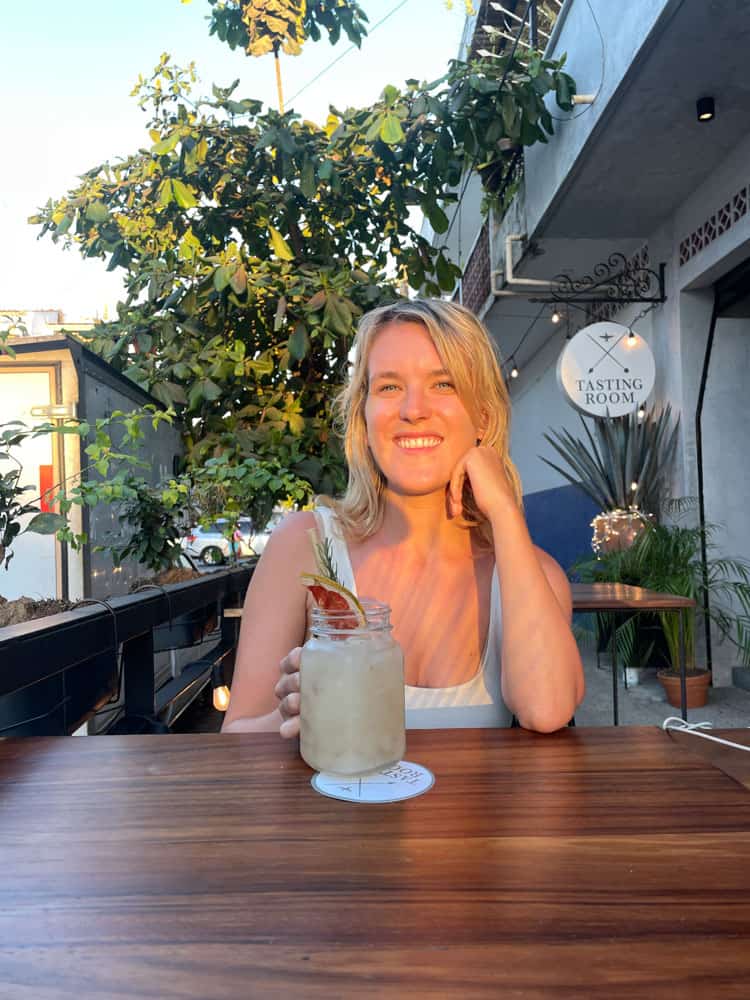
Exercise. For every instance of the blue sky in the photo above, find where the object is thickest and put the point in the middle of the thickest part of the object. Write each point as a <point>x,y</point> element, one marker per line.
<point>66,72</point>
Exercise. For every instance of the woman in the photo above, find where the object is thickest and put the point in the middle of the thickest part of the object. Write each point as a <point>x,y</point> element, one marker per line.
<point>431,524</point>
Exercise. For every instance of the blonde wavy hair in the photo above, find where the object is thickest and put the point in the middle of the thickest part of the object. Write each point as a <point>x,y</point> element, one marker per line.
<point>467,353</point>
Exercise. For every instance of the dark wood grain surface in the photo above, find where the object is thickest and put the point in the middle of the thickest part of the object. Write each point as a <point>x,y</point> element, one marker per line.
<point>622,597</point>
<point>589,863</point>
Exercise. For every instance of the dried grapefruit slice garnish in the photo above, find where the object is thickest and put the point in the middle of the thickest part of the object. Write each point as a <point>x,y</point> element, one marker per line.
<point>331,596</point>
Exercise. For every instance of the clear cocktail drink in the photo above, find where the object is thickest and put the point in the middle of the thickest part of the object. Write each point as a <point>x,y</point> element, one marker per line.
<point>352,695</point>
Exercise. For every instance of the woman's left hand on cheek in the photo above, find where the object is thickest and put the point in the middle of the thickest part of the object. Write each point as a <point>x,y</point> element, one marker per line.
<point>484,470</point>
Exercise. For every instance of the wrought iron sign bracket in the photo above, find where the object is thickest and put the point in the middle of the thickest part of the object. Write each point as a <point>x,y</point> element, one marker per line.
<point>616,280</point>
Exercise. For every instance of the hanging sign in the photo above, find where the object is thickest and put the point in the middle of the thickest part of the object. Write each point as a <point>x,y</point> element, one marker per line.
<point>606,370</point>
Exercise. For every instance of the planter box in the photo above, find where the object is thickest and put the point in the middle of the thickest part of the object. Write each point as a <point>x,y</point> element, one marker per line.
<point>55,672</point>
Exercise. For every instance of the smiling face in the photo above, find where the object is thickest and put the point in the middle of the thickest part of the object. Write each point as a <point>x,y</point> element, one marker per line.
<point>417,426</point>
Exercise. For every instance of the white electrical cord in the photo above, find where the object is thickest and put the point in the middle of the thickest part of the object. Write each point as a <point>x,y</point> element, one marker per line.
<point>694,727</point>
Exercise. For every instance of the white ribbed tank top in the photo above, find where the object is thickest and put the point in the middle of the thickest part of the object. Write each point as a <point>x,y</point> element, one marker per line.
<point>476,703</point>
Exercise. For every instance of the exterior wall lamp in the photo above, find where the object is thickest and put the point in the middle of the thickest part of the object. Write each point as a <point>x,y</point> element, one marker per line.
<point>705,109</point>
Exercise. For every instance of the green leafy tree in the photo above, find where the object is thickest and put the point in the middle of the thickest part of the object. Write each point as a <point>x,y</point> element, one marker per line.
<point>225,489</point>
<point>251,241</point>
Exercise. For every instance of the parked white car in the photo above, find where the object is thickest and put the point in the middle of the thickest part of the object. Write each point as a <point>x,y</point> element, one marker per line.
<point>212,548</point>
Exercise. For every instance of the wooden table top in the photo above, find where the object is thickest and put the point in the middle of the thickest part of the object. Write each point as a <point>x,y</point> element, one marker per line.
<point>622,597</point>
<point>591,863</point>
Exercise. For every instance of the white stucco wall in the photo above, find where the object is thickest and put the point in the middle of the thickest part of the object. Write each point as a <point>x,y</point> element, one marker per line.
<point>538,406</point>
<point>625,27</point>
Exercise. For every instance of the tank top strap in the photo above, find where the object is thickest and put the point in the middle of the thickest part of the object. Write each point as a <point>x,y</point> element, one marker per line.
<point>330,529</point>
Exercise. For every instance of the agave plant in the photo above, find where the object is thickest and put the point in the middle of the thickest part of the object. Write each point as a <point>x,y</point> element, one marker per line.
<point>624,464</point>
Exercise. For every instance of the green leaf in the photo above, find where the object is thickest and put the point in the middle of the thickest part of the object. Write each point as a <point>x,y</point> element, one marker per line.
<point>509,110</point>
<point>437,217</point>
<point>307,184</point>
<point>338,315</point>
<point>564,91</point>
<point>259,366</point>
<point>96,211</point>
<point>373,131</point>
<point>164,195</point>
<point>391,131</point>
<point>169,393</point>
<point>299,342</point>
<point>64,225</point>
<point>444,272</point>
<point>184,195</point>
<point>279,245</point>
<point>166,145</point>
<point>46,524</point>
<point>296,426</point>
<point>203,389</point>
<point>222,276</point>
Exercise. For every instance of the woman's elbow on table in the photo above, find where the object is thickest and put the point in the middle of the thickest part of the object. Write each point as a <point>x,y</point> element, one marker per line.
<point>540,719</point>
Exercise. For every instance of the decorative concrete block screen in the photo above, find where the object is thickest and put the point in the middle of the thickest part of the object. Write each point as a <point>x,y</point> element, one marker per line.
<point>476,279</point>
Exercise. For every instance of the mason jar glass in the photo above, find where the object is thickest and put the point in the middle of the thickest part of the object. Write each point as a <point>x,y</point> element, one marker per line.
<point>352,693</point>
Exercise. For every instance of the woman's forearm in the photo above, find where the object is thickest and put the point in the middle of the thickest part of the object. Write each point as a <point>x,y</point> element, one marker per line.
<point>260,724</point>
<point>542,676</point>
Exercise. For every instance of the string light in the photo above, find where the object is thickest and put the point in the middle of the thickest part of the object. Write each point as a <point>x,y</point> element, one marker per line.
<point>221,698</point>
<point>514,370</point>
<point>556,316</point>
<point>221,691</point>
<point>641,412</point>
<point>616,530</point>
<point>631,338</point>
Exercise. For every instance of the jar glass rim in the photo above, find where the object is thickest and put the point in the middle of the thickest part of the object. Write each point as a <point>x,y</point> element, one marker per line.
<point>331,621</point>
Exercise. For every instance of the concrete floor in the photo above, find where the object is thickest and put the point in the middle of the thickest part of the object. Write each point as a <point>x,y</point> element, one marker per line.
<point>645,704</point>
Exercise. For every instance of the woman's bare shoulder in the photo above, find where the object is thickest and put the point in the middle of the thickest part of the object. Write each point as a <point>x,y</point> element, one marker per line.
<point>295,524</point>
<point>291,536</point>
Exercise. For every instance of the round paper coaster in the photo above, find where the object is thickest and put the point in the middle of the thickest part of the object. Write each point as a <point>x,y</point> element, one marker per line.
<point>393,784</point>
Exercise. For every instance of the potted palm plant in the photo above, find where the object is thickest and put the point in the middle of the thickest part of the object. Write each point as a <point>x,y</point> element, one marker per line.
<point>668,558</point>
<point>623,464</point>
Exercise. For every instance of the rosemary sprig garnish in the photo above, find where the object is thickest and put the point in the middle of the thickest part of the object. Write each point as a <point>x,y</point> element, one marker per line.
<point>323,552</point>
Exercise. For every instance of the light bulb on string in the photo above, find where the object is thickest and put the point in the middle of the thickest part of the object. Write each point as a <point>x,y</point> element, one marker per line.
<point>631,338</point>
<point>221,692</point>
<point>221,698</point>
<point>556,316</point>
<point>514,370</point>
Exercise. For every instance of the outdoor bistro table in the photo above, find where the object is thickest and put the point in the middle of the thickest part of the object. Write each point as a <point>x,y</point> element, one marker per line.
<point>595,862</point>
<point>618,598</point>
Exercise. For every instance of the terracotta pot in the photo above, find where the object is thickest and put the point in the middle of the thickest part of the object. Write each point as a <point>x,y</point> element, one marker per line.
<point>696,687</point>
